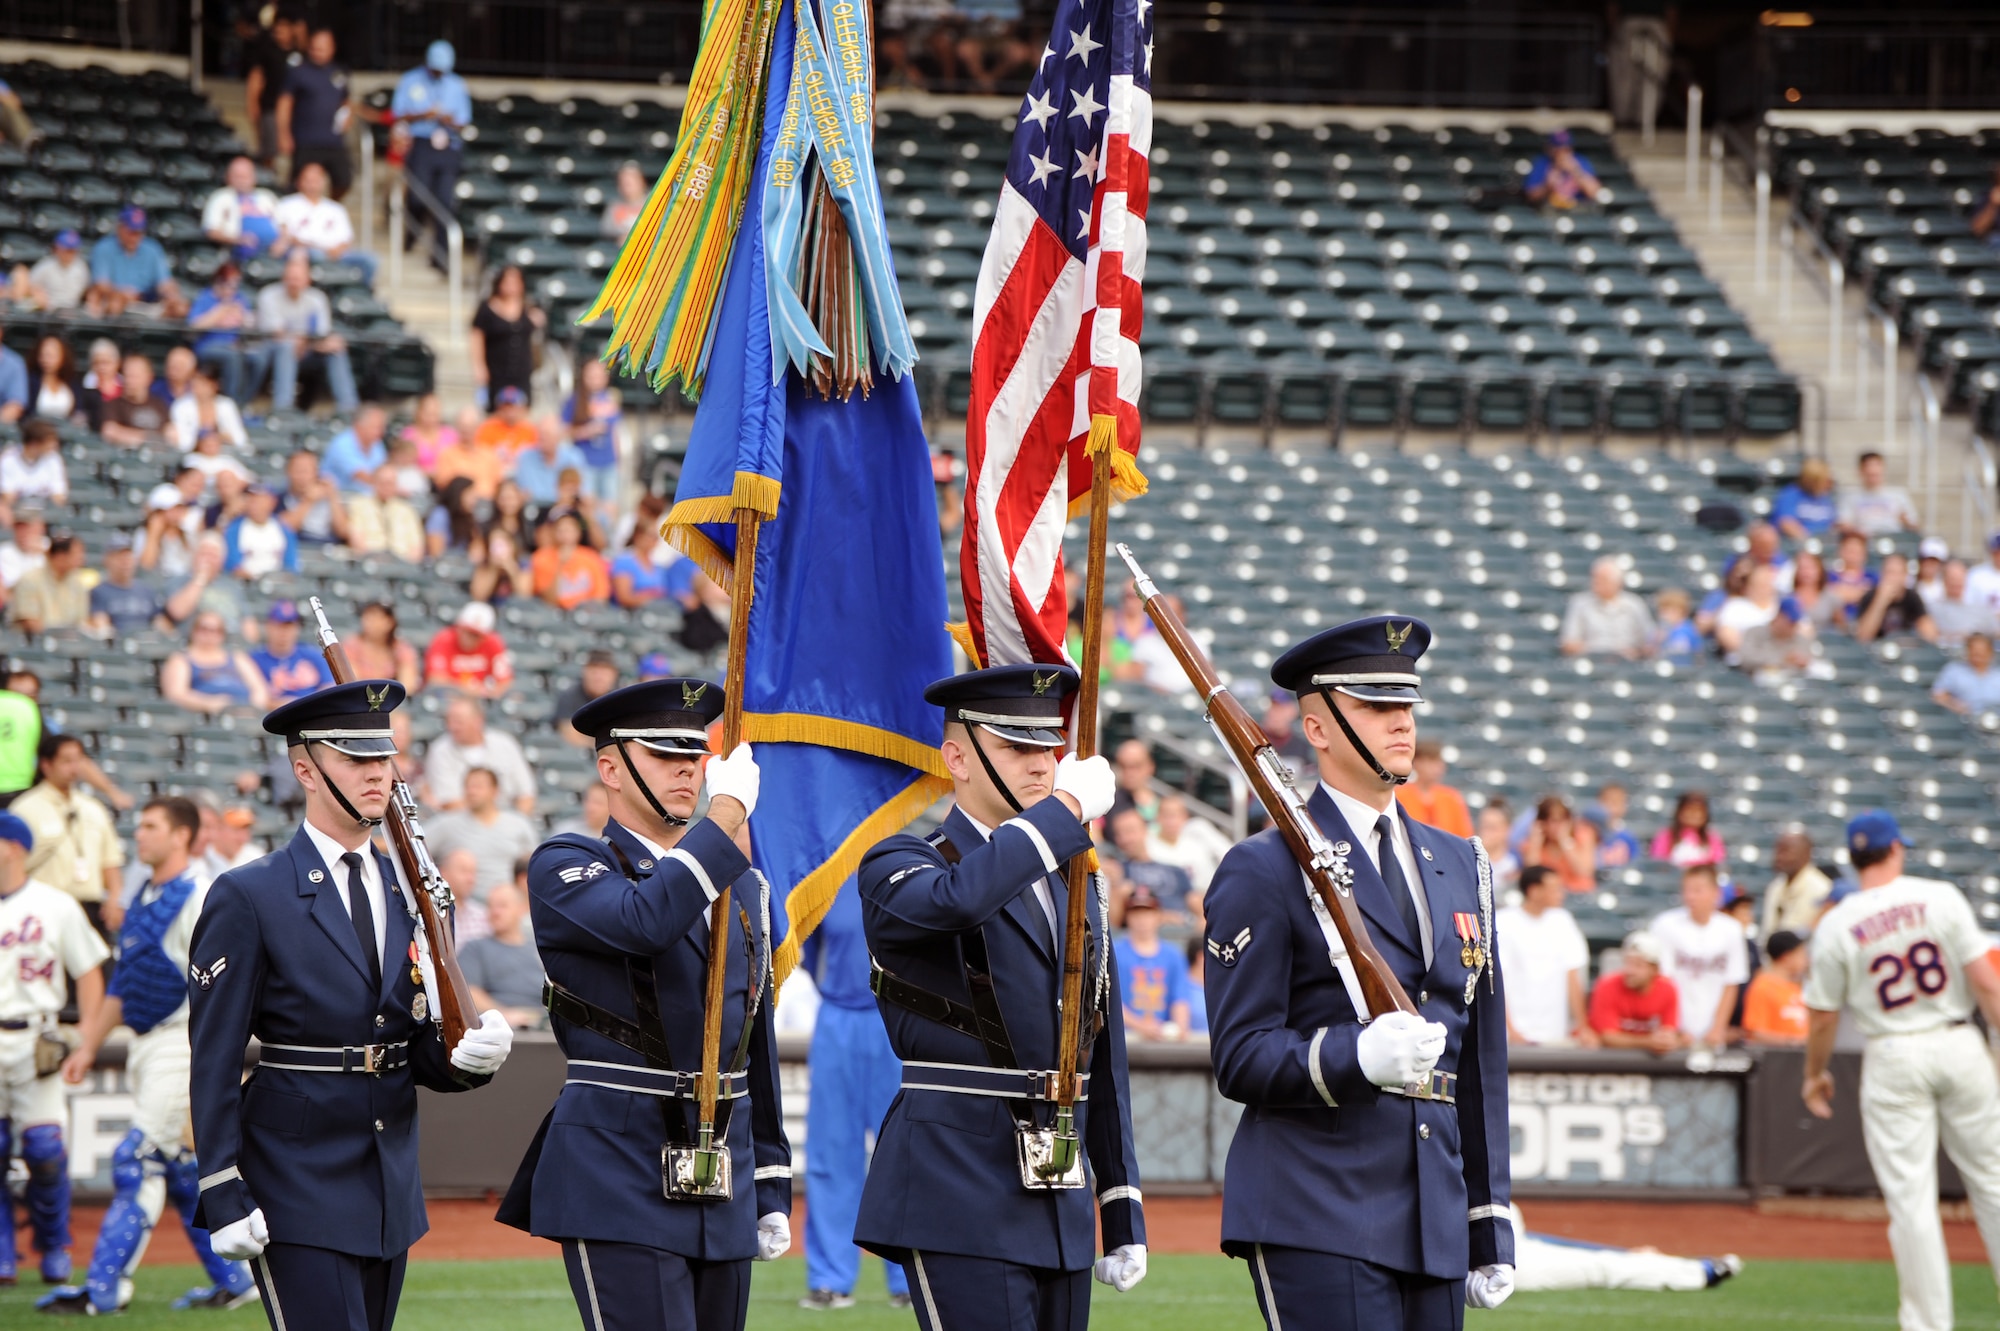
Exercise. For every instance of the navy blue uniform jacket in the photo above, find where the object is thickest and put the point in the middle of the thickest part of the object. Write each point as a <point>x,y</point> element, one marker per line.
<point>945,1176</point>
<point>331,1157</point>
<point>594,1169</point>
<point>1322,1159</point>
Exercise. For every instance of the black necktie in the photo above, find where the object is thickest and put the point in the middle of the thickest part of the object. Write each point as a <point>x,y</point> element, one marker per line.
<point>363,914</point>
<point>1399,887</point>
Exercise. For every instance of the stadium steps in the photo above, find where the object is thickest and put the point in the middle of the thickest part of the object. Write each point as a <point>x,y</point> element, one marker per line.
<point>1728,254</point>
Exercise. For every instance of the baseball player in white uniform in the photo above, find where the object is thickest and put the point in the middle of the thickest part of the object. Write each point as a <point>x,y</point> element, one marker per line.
<point>1543,1262</point>
<point>148,995</point>
<point>44,938</point>
<point>1907,957</point>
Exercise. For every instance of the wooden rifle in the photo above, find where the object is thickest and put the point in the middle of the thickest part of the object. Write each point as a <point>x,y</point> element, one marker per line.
<point>457,1009</point>
<point>1271,781</point>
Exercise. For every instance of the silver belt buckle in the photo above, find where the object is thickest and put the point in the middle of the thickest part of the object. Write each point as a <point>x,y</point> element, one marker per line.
<point>374,1058</point>
<point>1439,1086</point>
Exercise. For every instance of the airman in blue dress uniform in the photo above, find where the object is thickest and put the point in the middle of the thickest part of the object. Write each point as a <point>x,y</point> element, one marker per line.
<point>1367,1183</point>
<point>967,934</point>
<point>623,928</point>
<point>310,1166</point>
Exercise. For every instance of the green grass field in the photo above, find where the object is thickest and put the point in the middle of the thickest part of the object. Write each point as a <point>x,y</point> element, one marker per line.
<point>1180,1294</point>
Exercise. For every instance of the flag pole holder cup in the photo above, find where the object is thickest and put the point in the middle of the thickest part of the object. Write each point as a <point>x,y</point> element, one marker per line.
<point>1049,1157</point>
<point>697,1173</point>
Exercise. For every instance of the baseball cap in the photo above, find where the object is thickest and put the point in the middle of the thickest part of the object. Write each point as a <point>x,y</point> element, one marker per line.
<point>510,397</point>
<point>439,56</point>
<point>165,495</point>
<point>68,240</point>
<point>1782,942</point>
<point>283,612</point>
<point>1874,829</point>
<point>1640,943</point>
<point>239,816</point>
<point>1559,138</point>
<point>1993,541</point>
<point>1933,547</point>
<point>1141,898</point>
<point>119,540</point>
<point>476,615</point>
<point>132,217</point>
<point>1790,608</point>
<point>655,665</point>
<point>1731,894</point>
<point>13,828</point>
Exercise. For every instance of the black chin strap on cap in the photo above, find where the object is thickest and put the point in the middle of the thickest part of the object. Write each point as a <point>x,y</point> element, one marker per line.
<point>1382,774</point>
<point>352,812</point>
<point>972,733</point>
<point>671,820</point>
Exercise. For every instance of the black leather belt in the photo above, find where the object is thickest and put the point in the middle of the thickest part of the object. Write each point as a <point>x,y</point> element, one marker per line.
<point>673,1084</point>
<point>374,1059</point>
<point>24,1024</point>
<point>973,1079</point>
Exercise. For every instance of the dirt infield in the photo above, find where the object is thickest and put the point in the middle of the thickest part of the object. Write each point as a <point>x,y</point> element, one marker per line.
<point>1786,1229</point>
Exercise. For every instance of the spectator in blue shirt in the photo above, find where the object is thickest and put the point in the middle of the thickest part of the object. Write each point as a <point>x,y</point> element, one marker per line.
<point>313,114</point>
<point>130,268</point>
<point>13,384</point>
<point>1197,964</point>
<point>434,104</point>
<point>1152,976</point>
<point>1806,507</point>
<point>221,314</point>
<point>637,578</point>
<point>353,455</point>
<point>290,669</point>
<point>538,470</point>
<point>118,605</point>
<point>592,415</point>
<point>1971,686</point>
<point>1559,177</point>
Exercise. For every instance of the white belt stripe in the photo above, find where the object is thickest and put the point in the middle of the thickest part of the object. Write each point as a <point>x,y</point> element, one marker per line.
<point>924,1285</point>
<point>219,1176</point>
<point>773,1171</point>
<point>1270,1295</point>
<point>1486,1213</point>
<point>1312,1066</point>
<point>694,867</point>
<point>271,1294</point>
<point>1041,843</point>
<point>967,1090</point>
<point>647,1090</point>
<point>1121,1193</point>
<point>589,1285</point>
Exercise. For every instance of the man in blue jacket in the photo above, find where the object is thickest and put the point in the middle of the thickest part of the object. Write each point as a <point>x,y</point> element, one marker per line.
<point>1367,1182</point>
<point>967,930</point>
<point>623,925</point>
<point>309,1168</point>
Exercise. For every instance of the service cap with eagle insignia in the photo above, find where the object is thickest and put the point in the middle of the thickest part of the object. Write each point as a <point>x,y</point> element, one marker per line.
<point>1229,953</point>
<point>669,715</point>
<point>1373,659</point>
<point>1022,704</point>
<point>352,717</point>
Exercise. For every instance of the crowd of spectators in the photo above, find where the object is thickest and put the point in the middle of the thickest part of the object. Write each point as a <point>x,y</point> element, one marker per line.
<point>1810,571</point>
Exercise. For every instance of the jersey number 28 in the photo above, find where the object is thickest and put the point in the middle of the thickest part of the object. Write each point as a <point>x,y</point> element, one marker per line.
<point>1922,966</point>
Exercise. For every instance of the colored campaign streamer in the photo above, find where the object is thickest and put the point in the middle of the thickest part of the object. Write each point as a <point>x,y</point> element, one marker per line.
<point>793,337</point>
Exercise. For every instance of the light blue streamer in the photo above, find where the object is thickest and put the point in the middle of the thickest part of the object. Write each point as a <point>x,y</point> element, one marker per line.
<point>793,337</point>
<point>839,108</point>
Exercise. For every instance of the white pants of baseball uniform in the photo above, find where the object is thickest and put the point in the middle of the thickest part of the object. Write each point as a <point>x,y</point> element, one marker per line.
<point>1914,1089</point>
<point>156,1070</point>
<point>1543,1263</point>
<point>25,1099</point>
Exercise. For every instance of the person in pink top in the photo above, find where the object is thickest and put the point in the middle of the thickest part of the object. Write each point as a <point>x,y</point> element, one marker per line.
<point>1689,839</point>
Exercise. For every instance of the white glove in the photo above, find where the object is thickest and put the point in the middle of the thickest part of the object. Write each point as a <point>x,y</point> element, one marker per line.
<point>1089,782</point>
<point>1123,1267</point>
<point>735,776</point>
<point>1398,1048</point>
<point>774,1236</point>
<point>1489,1286</point>
<point>241,1240</point>
<point>485,1046</point>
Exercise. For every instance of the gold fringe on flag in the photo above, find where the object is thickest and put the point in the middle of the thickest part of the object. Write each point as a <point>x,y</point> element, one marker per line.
<point>662,291</point>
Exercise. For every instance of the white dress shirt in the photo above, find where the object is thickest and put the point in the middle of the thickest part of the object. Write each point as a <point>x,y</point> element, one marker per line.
<point>330,852</point>
<point>1042,893</point>
<point>1361,818</point>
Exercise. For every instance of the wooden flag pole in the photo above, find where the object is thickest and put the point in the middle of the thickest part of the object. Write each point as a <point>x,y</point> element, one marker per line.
<point>1076,930</point>
<point>707,1153</point>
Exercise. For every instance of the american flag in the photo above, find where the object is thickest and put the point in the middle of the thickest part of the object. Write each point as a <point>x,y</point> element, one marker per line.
<point>1056,322</point>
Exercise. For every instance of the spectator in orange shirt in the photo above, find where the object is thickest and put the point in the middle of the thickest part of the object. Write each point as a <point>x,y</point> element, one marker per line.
<point>1774,1010</point>
<point>482,465</point>
<point>508,430</point>
<point>469,655</point>
<point>567,572</point>
<point>1428,799</point>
